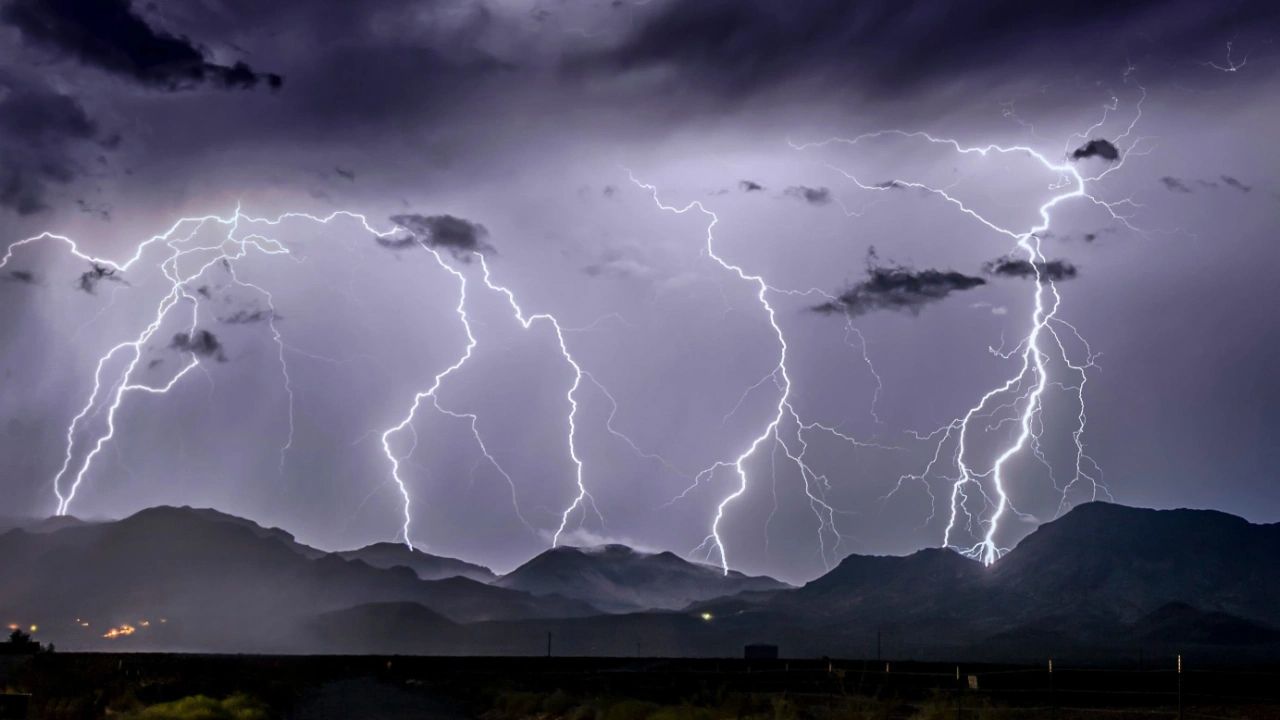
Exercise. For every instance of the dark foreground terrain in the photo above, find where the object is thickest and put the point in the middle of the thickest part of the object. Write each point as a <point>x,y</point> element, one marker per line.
<point>211,687</point>
<point>1101,582</point>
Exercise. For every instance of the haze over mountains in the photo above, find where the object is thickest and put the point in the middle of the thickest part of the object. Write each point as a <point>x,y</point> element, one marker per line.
<point>1103,579</point>
<point>425,565</point>
<point>616,578</point>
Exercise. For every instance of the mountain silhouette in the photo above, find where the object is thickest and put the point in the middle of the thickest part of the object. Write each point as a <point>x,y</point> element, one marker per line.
<point>217,582</point>
<point>617,578</point>
<point>427,566</point>
<point>1101,582</point>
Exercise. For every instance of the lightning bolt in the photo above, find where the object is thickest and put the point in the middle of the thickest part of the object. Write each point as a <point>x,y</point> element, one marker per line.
<point>1023,393</point>
<point>583,497</point>
<point>107,397</point>
<point>1033,370</point>
<point>1231,66</point>
<point>829,536</point>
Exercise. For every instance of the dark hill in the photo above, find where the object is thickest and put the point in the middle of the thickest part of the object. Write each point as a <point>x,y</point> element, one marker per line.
<point>619,579</point>
<point>1127,562</point>
<point>427,566</point>
<point>218,582</point>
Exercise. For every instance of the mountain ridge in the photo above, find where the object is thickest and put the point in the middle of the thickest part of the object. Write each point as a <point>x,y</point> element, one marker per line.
<point>1101,580</point>
<point>618,578</point>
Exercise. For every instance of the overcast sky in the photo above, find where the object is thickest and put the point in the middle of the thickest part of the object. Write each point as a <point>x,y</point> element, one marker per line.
<point>525,131</point>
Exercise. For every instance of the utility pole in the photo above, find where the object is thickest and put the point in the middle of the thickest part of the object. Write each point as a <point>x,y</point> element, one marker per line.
<point>877,645</point>
<point>1179,687</point>
<point>1053,699</point>
<point>548,643</point>
<point>959,695</point>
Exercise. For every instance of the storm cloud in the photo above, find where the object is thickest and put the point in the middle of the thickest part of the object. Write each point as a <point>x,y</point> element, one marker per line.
<point>89,279</point>
<point>43,133</point>
<point>26,277</point>
<point>110,36</point>
<point>811,195</point>
<point>524,121</point>
<point>894,287</point>
<point>1235,184</point>
<point>1098,148</point>
<point>1046,270</point>
<point>249,317</point>
<point>739,47</point>
<point>200,343</point>
<point>461,238</point>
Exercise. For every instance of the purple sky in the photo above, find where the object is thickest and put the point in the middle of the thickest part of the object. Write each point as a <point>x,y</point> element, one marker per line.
<point>517,129</point>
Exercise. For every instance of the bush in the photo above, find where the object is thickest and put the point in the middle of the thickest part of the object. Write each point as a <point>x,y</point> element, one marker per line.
<point>683,712</point>
<point>515,705</point>
<point>629,710</point>
<point>203,707</point>
<point>557,703</point>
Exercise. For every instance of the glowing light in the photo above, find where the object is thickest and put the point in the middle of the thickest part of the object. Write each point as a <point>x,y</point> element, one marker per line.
<point>119,632</point>
<point>707,616</point>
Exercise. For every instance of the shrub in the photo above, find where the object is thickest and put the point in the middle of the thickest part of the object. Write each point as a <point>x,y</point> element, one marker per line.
<point>203,707</point>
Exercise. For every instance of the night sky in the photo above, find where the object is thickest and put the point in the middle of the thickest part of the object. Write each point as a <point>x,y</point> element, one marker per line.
<point>534,135</point>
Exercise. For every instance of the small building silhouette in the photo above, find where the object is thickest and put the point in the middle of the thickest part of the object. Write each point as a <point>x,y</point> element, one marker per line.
<point>760,651</point>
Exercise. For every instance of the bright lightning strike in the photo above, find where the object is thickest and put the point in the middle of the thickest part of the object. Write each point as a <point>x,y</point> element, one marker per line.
<point>1032,377</point>
<point>814,483</point>
<point>583,498</point>
<point>107,396</point>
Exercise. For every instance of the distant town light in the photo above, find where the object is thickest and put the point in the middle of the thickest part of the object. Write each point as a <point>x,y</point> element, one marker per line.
<point>121,631</point>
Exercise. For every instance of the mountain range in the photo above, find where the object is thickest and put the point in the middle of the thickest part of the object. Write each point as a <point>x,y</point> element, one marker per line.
<point>616,578</point>
<point>1102,581</point>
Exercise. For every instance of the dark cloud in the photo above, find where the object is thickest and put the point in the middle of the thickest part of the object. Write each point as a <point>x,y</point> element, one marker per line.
<point>200,343</point>
<point>627,262</point>
<point>248,317</point>
<point>111,36</point>
<point>26,277</point>
<point>461,238</point>
<point>1048,270</point>
<point>1178,185</point>
<point>813,196</point>
<point>894,287</point>
<point>1099,148</point>
<point>42,133</point>
<point>891,47</point>
<point>89,279</point>
<point>102,212</point>
<point>749,186</point>
<point>1234,183</point>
